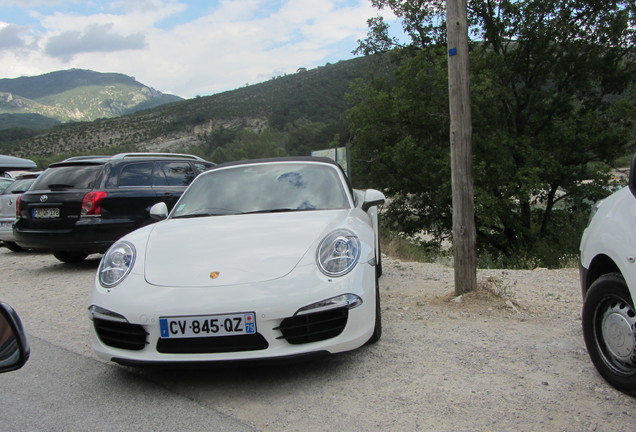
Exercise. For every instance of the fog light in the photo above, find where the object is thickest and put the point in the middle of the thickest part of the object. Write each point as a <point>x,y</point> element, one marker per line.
<point>349,301</point>
<point>96,312</point>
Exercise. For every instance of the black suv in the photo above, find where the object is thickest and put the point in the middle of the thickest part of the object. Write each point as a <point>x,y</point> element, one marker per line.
<point>82,205</point>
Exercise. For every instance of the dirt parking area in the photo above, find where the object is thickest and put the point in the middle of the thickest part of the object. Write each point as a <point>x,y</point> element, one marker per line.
<point>485,362</point>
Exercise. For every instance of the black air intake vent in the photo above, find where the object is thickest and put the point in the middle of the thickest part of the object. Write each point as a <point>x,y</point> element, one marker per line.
<point>314,327</point>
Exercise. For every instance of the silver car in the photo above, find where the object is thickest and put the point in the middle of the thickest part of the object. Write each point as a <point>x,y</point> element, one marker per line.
<point>4,183</point>
<point>8,198</point>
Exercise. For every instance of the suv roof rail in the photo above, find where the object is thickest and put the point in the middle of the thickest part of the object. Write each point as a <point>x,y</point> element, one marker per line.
<point>167,155</point>
<point>75,158</point>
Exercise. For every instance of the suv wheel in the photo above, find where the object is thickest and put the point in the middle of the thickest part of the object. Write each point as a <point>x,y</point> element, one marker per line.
<point>70,256</point>
<point>12,246</point>
<point>609,329</point>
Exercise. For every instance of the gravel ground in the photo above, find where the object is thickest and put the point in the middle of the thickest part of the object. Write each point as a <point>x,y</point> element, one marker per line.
<point>510,357</point>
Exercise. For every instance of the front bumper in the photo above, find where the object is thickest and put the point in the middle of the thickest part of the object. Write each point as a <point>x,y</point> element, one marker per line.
<point>280,334</point>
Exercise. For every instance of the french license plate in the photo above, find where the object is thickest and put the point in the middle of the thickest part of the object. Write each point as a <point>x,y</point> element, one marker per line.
<point>46,213</point>
<point>208,325</point>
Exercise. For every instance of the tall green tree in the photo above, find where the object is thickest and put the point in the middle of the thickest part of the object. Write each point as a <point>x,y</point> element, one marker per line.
<point>251,145</point>
<point>553,106</point>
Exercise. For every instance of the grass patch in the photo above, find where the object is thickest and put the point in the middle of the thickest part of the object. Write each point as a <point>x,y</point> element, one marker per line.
<point>406,249</point>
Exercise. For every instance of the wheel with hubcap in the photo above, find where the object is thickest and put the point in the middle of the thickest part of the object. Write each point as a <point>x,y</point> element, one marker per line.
<point>609,329</point>
<point>12,246</point>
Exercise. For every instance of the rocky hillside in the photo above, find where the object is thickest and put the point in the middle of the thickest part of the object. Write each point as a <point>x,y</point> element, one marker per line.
<point>316,95</point>
<point>76,95</point>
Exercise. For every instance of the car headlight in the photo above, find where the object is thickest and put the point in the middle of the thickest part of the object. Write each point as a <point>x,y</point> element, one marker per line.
<point>338,253</point>
<point>116,264</point>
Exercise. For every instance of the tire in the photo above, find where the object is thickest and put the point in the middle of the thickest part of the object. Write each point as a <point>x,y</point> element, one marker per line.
<point>609,329</point>
<point>13,247</point>
<point>378,262</point>
<point>377,329</point>
<point>70,256</point>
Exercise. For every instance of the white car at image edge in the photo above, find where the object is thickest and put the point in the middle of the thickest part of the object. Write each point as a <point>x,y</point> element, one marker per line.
<point>8,199</point>
<point>269,259</point>
<point>608,283</point>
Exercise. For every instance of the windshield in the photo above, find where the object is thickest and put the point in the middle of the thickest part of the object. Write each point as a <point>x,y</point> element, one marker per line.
<point>19,186</point>
<point>4,183</point>
<point>263,188</point>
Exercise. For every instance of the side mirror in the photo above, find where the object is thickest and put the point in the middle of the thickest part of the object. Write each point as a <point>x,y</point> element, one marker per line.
<point>14,346</point>
<point>159,211</point>
<point>372,198</point>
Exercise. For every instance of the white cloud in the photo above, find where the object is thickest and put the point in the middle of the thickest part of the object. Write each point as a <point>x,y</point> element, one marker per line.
<point>148,6</point>
<point>95,38</point>
<point>237,42</point>
<point>131,21</point>
<point>11,37</point>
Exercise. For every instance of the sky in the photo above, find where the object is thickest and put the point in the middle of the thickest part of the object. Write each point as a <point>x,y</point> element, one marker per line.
<point>184,47</point>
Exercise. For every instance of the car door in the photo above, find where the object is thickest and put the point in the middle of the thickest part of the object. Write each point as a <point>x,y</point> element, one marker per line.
<point>130,193</point>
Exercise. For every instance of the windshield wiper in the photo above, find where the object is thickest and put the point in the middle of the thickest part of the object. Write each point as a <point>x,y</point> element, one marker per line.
<point>214,212</point>
<point>279,210</point>
<point>195,215</point>
<point>60,186</point>
<point>234,212</point>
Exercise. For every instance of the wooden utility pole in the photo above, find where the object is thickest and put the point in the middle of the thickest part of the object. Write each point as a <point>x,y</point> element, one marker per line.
<point>464,237</point>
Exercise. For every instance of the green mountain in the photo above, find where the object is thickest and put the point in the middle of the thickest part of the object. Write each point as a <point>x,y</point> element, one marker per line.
<point>27,121</point>
<point>313,97</point>
<point>75,95</point>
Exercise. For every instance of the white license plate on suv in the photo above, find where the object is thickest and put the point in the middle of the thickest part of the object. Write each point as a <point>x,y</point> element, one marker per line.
<point>208,325</point>
<point>46,213</point>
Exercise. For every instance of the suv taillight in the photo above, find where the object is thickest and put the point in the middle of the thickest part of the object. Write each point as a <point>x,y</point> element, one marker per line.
<point>92,203</point>
<point>17,206</point>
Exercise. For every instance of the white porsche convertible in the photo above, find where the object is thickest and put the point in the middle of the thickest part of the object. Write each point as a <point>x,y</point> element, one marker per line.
<point>267,259</point>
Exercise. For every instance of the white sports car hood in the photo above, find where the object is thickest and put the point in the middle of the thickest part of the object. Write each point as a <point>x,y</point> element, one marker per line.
<point>229,250</point>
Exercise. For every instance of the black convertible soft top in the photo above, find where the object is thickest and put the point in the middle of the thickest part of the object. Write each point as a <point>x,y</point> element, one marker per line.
<point>278,159</point>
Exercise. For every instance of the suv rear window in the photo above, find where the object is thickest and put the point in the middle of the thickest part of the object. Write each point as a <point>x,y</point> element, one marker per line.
<point>69,176</point>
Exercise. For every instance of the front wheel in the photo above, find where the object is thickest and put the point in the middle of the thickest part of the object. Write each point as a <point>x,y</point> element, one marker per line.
<point>378,262</point>
<point>377,328</point>
<point>12,246</point>
<point>70,256</point>
<point>609,329</point>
